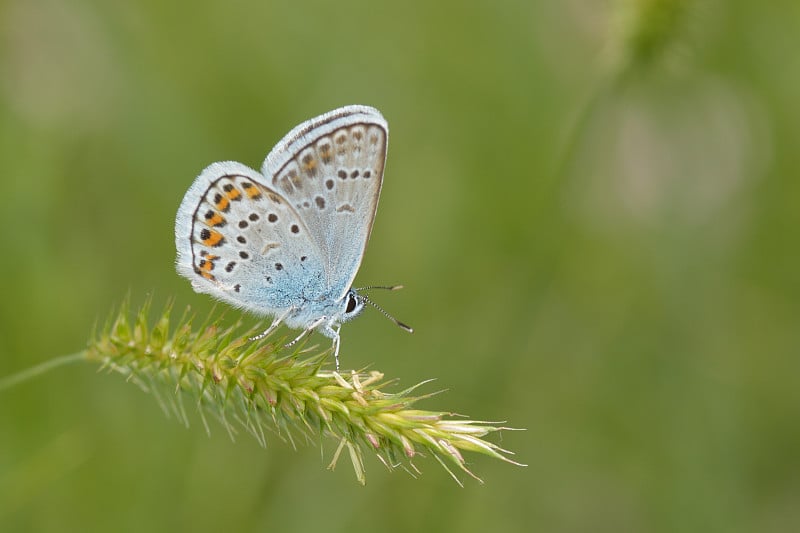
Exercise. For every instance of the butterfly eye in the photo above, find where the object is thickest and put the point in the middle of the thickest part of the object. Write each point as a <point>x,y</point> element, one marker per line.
<point>351,303</point>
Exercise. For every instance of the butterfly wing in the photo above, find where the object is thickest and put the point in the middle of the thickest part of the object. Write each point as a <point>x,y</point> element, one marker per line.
<point>330,169</point>
<point>240,241</point>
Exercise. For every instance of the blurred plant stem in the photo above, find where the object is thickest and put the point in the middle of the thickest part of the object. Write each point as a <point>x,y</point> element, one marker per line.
<point>30,373</point>
<point>642,33</point>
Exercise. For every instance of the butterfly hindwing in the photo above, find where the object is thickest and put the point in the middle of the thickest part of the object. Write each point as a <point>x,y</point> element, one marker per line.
<point>243,243</point>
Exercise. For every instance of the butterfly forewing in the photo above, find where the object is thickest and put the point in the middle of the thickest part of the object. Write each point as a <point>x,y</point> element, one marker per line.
<point>331,173</point>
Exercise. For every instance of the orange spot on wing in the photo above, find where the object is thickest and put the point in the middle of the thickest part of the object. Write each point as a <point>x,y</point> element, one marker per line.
<point>251,190</point>
<point>216,220</point>
<point>203,271</point>
<point>213,239</point>
<point>234,194</point>
<point>223,203</point>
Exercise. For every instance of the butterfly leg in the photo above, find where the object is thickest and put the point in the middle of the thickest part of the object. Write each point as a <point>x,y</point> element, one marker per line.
<point>336,343</point>
<point>273,326</point>
<point>306,331</point>
<point>328,331</point>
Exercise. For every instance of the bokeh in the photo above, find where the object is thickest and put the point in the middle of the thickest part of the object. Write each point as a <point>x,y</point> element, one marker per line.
<point>593,206</point>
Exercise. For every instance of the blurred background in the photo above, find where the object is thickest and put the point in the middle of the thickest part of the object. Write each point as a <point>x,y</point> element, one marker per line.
<point>593,206</point>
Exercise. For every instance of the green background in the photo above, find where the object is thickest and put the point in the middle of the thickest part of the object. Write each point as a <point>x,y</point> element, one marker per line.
<point>594,207</point>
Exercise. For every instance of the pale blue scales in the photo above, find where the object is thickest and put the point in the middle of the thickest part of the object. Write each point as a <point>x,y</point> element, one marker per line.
<point>287,242</point>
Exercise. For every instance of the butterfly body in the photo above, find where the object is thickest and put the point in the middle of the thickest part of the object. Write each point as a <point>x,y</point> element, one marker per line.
<point>287,242</point>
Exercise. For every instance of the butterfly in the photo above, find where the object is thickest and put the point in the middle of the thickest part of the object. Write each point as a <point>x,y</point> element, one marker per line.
<point>287,242</point>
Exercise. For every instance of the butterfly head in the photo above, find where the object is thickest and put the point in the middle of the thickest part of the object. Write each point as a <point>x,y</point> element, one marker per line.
<point>353,305</point>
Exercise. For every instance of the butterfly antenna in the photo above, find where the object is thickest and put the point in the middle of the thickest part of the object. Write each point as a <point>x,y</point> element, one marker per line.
<point>385,287</point>
<point>387,315</point>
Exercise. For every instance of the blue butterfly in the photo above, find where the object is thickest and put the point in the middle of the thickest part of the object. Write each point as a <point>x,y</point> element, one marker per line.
<point>287,242</point>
